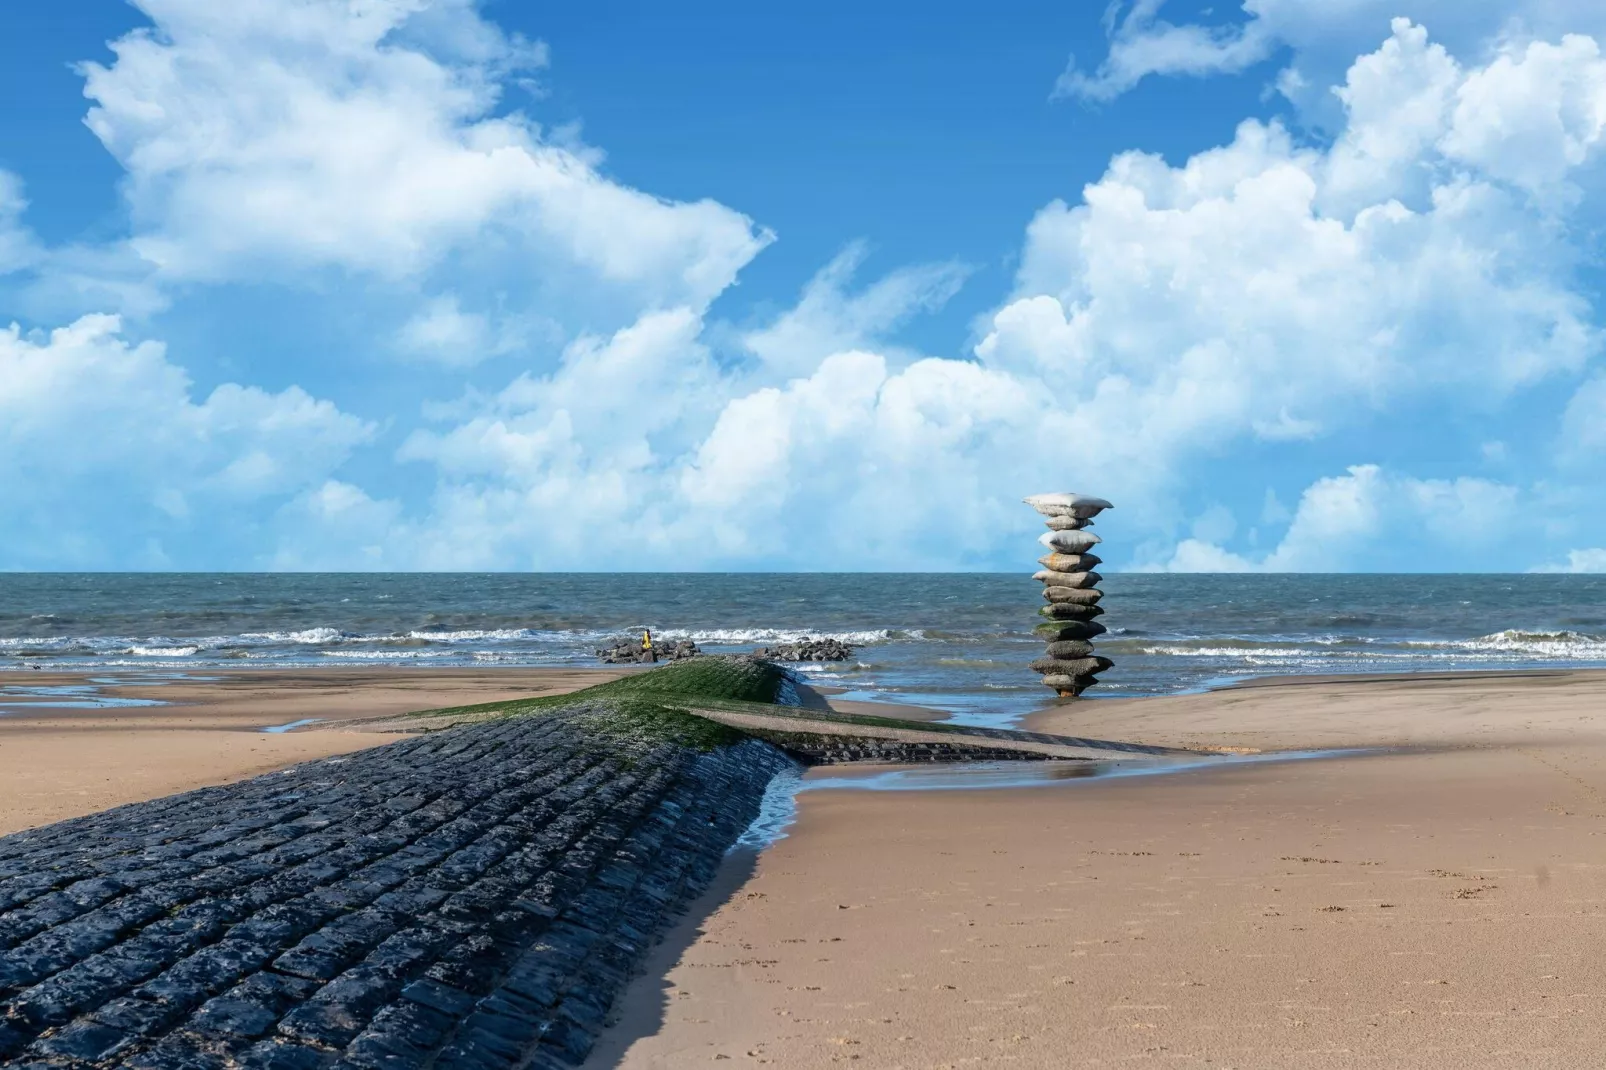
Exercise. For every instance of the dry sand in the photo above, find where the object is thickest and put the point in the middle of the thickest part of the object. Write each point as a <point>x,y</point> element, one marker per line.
<point>61,763</point>
<point>1441,907</point>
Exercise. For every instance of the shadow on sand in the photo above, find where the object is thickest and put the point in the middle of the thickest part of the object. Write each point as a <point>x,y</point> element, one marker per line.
<point>641,1008</point>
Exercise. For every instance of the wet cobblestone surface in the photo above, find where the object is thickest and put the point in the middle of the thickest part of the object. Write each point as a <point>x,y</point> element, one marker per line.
<point>821,749</point>
<point>465,899</point>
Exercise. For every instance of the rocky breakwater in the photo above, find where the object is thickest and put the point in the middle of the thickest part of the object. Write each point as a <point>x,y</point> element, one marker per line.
<point>473,897</point>
<point>1070,587</point>
<point>636,652</point>
<point>806,649</point>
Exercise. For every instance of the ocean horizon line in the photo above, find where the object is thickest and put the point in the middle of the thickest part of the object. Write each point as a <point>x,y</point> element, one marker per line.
<point>1023,570</point>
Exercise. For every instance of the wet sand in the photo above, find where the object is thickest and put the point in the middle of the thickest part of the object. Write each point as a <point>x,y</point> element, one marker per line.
<point>1440,906</point>
<point>60,763</point>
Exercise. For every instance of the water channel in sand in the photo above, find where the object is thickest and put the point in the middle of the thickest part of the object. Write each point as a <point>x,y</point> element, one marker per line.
<point>778,809</point>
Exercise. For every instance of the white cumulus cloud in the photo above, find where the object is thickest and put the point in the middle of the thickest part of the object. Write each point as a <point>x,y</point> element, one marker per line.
<point>18,248</point>
<point>1372,520</point>
<point>1261,293</point>
<point>830,319</point>
<point>1317,41</point>
<point>1592,560</point>
<point>1271,295</point>
<point>265,138</point>
<point>95,426</point>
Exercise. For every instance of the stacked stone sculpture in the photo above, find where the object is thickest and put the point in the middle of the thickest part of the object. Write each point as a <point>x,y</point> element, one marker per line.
<point>1070,587</point>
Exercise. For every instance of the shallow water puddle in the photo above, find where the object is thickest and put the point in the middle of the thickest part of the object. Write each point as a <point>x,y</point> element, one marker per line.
<point>959,776</point>
<point>152,679</point>
<point>778,809</point>
<point>281,728</point>
<point>17,698</point>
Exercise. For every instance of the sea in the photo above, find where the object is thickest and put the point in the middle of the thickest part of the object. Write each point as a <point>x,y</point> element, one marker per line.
<point>957,642</point>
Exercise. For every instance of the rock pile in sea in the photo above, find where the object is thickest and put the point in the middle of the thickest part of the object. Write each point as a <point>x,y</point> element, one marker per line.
<point>807,649</point>
<point>1070,587</point>
<point>634,652</point>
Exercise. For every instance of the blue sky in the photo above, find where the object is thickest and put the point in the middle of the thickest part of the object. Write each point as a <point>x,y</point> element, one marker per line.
<point>436,284</point>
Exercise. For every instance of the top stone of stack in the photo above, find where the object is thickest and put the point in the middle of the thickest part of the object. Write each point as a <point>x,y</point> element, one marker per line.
<point>1077,506</point>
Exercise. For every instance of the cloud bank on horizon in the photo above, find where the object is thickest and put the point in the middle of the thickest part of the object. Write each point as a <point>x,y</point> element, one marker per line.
<point>1406,246</point>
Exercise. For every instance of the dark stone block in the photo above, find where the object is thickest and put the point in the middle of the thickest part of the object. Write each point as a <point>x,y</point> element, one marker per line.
<point>177,1053</point>
<point>402,1035</point>
<point>12,1040</point>
<point>137,1016</point>
<point>90,1041</point>
<point>444,998</point>
<point>234,1017</point>
<point>280,1055</point>
<point>341,1008</point>
<point>479,1048</point>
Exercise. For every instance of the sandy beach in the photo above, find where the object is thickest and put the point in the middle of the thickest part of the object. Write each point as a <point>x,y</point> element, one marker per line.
<point>1433,897</point>
<point>58,763</point>
<point>1436,905</point>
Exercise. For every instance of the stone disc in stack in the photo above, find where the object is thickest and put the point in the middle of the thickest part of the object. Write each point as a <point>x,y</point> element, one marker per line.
<point>1071,666</point>
<point>1069,542</point>
<point>1073,580</point>
<point>1081,595</point>
<point>1070,648</point>
<point>1070,611</point>
<point>1057,562</point>
<point>1076,506</point>
<point>1057,630</point>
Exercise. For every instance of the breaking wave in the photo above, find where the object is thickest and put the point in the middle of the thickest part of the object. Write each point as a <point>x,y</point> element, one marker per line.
<point>1564,645</point>
<point>746,636</point>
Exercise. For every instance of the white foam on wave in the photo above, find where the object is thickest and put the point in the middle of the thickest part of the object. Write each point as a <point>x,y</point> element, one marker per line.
<point>304,635</point>
<point>1559,646</point>
<point>361,645</point>
<point>387,655</point>
<point>146,663</point>
<point>476,635</point>
<point>56,642</point>
<point>742,636</point>
<point>1202,651</point>
<point>1508,645</point>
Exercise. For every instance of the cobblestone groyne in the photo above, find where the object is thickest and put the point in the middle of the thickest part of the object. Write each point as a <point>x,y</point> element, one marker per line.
<point>470,898</point>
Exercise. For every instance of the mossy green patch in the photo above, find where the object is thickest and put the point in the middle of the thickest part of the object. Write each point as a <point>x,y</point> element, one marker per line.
<point>652,706</point>
<point>662,704</point>
<point>636,721</point>
<point>700,680</point>
<point>739,679</point>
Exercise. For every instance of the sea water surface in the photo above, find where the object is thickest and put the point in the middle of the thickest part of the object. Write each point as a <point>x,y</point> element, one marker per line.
<point>958,642</point>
